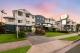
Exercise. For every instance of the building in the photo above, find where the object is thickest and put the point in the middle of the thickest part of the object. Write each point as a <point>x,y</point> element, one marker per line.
<point>21,18</point>
<point>70,26</point>
<point>58,23</point>
<point>49,23</point>
<point>39,20</point>
<point>66,24</point>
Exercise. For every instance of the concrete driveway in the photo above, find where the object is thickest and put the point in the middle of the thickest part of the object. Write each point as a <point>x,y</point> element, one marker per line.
<point>39,39</point>
<point>48,47</point>
<point>41,44</point>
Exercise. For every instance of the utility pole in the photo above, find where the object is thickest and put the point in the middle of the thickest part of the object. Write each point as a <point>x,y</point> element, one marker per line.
<point>17,30</point>
<point>61,23</point>
<point>16,21</point>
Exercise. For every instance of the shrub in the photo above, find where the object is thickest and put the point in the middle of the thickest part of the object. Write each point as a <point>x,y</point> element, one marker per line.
<point>64,31</point>
<point>50,29</point>
<point>78,34</point>
<point>54,29</point>
<point>40,31</point>
<point>43,32</point>
<point>2,30</point>
<point>21,34</point>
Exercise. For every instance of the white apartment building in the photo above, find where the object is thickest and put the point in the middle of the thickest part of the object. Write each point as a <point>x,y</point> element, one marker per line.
<point>49,22</point>
<point>71,25</point>
<point>66,24</point>
<point>21,18</point>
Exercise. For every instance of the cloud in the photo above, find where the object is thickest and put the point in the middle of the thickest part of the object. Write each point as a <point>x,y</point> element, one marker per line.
<point>46,8</point>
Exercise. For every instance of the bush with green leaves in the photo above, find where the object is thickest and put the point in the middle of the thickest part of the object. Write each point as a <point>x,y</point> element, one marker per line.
<point>2,30</point>
<point>21,34</point>
<point>40,31</point>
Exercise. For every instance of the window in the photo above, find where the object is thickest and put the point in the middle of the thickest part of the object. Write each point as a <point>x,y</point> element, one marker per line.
<point>33,22</point>
<point>11,20</point>
<point>49,20</point>
<point>27,22</point>
<point>19,21</point>
<point>32,17</point>
<point>38,18</point>
<point>20,13</point>
<point>43,19</point>
<point>27,15</point>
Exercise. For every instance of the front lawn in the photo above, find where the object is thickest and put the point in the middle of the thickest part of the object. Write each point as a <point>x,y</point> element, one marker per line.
<point>52,34</point>
<point>72,38</point>
<point>18,50</point>
<point>9,38</point>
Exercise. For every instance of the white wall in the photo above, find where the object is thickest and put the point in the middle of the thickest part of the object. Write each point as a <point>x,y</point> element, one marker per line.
<point>17,17</point>
<point>50,22</point>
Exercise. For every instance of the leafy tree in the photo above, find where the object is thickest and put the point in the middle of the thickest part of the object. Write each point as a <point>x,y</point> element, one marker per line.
<point>2,27</point>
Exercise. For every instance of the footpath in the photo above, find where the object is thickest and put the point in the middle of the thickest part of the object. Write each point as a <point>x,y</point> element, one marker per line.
<point>65,36</point>
<point>12,45</point>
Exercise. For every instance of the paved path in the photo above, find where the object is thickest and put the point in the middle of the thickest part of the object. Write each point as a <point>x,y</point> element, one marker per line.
<point>65,36</point>
<point>11,45</point>
<point>48,47</point>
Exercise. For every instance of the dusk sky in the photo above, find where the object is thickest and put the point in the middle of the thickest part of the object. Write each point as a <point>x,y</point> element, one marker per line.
<point>47,8</point>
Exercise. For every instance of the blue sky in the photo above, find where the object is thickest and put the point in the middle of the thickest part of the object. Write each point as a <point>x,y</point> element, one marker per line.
<point>49,8</point>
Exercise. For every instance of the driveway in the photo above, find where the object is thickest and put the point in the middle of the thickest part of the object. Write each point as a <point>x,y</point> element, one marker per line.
<point>48,47</point>
<point>39,39</point>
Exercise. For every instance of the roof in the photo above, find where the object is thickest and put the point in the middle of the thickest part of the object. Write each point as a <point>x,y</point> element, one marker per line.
<point>9,13</point>
<point>24,10</point>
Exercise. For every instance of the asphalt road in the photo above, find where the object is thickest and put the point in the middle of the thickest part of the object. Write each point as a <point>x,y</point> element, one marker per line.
<point>74,50</point>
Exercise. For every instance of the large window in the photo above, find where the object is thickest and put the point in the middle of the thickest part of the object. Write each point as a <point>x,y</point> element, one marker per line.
<point>32,17</point>
<point>20,13</point>
<point>33,22</point>
<point>19,21</point>
<point>27,22</point>
<point>49,20</point>
<point>10,20</point>
<point>27,15</point>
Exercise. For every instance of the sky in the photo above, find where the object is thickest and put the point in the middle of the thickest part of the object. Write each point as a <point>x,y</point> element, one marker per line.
<point>48,8</point>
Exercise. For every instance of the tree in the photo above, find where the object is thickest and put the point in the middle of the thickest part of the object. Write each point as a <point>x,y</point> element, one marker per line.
<point>1,27</point>
<point>78,27</point>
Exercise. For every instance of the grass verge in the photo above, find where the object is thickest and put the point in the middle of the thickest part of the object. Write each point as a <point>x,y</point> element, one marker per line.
<point>52,34</point>
<point>9,38</point>
<point>72,38</point>
<point>18,50</point>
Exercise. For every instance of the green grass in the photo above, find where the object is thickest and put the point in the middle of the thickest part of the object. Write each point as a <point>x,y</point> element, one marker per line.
<point>52,34</point>
<point>9,38</point>
<point>72,38</point>
<point>18,50</point>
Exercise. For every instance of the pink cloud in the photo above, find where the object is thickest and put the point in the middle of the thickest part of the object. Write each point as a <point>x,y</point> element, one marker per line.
<point>46,9</point>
